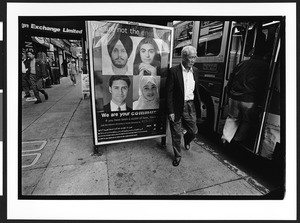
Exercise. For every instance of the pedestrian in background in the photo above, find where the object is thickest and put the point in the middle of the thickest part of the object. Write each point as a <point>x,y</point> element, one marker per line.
<point>182,101</point>
<point>72,71</point>
<point>37,71</point>
<point>49,80</point>
<point>25,77</point>
<point>65,68</point>
<point>245,89</point>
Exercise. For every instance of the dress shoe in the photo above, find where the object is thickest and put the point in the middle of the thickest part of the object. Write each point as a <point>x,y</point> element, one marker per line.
<point>37,102</point>
<point>187,146</point>
<point>176,161</point>
<point>224,142</point>
<point>27,96</point>
<point>46,96</point>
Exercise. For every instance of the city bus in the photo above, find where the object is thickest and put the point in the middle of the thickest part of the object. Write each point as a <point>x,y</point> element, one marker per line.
<point>221,45</point>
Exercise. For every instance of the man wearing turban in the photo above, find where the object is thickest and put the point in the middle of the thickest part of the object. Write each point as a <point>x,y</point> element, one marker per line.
<point>119,49</point>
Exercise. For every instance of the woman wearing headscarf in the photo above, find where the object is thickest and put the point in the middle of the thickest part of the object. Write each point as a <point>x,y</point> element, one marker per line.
<point>147,59</point>
<point>148,94</point>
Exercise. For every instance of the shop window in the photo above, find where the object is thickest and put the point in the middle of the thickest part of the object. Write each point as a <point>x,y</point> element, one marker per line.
<point>183,32</point>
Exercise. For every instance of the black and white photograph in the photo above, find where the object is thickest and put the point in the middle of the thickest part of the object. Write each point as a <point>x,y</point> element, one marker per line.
<point>132,113</point>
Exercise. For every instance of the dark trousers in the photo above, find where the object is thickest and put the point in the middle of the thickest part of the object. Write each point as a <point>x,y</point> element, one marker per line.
<point>73,78</point>
<point>25,84</point>
<point>186,122</point>
<point>37,86</point>
<point>241,116</point>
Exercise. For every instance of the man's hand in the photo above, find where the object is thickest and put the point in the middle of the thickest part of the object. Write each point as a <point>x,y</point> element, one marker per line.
<point>172,117</point>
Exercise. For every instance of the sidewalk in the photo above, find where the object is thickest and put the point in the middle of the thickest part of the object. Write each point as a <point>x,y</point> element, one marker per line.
<point>57,157</point>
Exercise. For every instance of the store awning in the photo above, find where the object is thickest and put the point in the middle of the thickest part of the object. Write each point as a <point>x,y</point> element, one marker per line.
<point>184,43</point>
<point>210,37</point>
<point>41,40</point>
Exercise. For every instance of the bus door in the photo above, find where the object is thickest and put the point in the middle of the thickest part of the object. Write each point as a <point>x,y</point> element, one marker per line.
<point>242,44</point>
<point>268,135</point>
<point>237,51</point>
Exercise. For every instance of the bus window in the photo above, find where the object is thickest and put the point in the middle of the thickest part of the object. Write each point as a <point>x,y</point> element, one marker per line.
<point>271,31</point>
<point>210,38</point>
<point>249,44</point>
<point>182,36</point>
<point>238,35</point>
<point>268,30</point>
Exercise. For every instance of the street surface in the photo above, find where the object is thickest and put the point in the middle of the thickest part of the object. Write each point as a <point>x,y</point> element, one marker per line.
<point>58,158</point>
<point>266,172</point>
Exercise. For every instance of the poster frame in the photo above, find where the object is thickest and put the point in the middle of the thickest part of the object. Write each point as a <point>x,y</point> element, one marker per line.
<point>89,29</point>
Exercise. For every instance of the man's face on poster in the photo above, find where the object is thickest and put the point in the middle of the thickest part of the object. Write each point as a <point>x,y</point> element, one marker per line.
<point>119,56</point>
<point>119,91</point>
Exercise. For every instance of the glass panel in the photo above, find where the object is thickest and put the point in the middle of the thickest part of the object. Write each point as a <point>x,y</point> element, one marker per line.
<point>182,36</point>
<point>210,38</point>
<point>235,47</point>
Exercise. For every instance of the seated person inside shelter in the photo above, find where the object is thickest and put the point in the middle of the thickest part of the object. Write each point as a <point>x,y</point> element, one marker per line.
<point>119,49</point>
<point>147,59</point>
<point>118,87</point>
<point>148,94</point>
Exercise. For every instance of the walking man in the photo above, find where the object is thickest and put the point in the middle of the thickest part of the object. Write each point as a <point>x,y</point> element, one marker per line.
<point>183,101</point>
<point>73,71</point>
<point>37,70</point>
<point>25,77</point>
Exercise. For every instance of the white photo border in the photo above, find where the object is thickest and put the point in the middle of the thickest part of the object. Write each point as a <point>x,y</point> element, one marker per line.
<point>150,209</point>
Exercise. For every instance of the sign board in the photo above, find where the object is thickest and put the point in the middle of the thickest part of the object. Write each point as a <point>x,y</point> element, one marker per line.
<point>85,85</point>
<point>128,68</point>
<point>59,29</point>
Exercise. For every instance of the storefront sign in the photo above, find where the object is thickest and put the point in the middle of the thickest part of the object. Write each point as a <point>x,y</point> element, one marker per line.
<point>128,64</point>
<point>50,28</point>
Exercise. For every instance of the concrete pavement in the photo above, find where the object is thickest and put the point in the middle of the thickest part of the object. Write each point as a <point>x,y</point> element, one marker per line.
<point>58,159</point>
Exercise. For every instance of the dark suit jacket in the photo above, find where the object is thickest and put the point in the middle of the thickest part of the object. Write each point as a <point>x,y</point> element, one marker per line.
<point>40,68</point>
<point>175,91</point>
<point>106,108</point>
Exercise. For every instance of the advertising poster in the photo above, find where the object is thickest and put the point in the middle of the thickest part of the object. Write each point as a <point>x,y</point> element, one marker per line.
<point>128,63</point>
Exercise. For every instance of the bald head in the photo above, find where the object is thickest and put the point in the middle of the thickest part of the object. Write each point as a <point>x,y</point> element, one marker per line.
<point>187,50</point>
<point>188,56</point>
